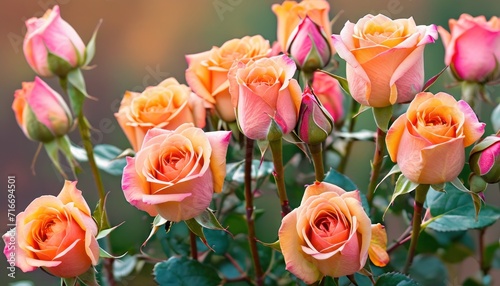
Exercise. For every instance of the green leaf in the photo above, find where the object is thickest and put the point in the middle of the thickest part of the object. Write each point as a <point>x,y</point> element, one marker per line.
<point>185,271</point>
<point>382,116</point>
<point>218,240</point>
<point>433,79</point>
<point>124,266</point>
<point>90,49</point>
<point>105,156</point>
<point>395,279</point>
<point>429,270</point>
<point>492,255</point>
<point>342,81</point>
<point>403,186</point>
<point>236,171</point>
<point>454,211</point>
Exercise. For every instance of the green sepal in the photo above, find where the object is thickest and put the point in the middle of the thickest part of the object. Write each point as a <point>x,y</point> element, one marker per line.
<point>196,228</point>
<point>75,86</point>
<point>61,144</point>
<point>433,79</point>
<point>158,221</point>
<point>105,232</point>
<point>208,220</point>
<point>90,48</point>
<point>36,130</point>
<point>403,186</point>
<point>101,217</point>
<point>273,245</point>
<point>104,254</point>
<point>382,116</point>
<point>58,65</point>
<point>88,278</point>
<point>362,108</point>
<point>342,81</point>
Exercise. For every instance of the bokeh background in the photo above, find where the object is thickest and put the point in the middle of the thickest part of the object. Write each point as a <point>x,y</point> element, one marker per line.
<point>141,43</point>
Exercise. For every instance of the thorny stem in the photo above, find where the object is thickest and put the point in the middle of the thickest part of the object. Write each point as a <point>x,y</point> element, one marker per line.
<point>420,194</point>
<point>249,212</point>
<point>403,238</point>
<point>276,150</point>
<point>376,164</point>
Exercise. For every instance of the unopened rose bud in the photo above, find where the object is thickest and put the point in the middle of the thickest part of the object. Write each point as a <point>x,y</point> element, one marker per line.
<point>309,46</point>
<point>41,112</point>
<point>315,123</point>
<point>484,159</point>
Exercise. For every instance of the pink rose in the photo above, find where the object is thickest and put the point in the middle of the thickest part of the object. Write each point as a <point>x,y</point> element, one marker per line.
<point>428,141</point>
<point>52,35</point>
<point>329,234</point>
<point>473,48</point>
<point>328,91</point>
<point>57,234</point>
<point>385,58</point>
<point>41,112</point>
<point>262,91</point>
<point>484,159</point>
<point>175,172</point>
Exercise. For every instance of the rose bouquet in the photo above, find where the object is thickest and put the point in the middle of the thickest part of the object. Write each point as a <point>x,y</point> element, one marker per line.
<point>260,136</point>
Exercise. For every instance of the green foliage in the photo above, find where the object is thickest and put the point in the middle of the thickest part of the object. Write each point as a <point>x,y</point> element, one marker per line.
<point>428,270</point>
<point>106,157</point>
<point>395,279</point>
<point>185,271</point>
<point>454,211</point>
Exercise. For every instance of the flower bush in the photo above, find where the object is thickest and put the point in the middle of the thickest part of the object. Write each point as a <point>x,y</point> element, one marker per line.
<point>238,172</point>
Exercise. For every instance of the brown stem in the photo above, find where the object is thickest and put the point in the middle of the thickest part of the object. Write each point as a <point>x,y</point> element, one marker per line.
<point>192,243</point>
<point>482,263</point>
<point>403,238</point>
<point>376,164</point>
<point>420,194</point>
<point>279,175</point>
<point>249,212</point>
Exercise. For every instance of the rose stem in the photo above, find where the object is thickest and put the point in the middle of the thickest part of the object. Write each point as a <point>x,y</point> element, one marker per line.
<point>276,150</point>
<point>351,124</point>
<point>317,156</point>
<point>418,205</point>
<point>482,263</point>
<point>376,164</point>
<point>84,128</point>
<point>249,211</point>
<point>192,243</point>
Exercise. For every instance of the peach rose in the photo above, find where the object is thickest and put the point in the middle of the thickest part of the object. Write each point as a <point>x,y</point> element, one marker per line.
<point>264,90</point>
<point>473,48</point>
<point>57,234</point>
<point>328,234</point>
<point>384,57</point>
<point>428,141</point>
<point>51,34</point>
<point>41,112</point>
<point>290,13</point>
<point>166,106</point>
<point>207,71</point>
<point>175,172</point>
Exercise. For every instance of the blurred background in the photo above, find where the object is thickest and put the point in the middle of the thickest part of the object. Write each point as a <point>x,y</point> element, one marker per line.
<point>140,43</point>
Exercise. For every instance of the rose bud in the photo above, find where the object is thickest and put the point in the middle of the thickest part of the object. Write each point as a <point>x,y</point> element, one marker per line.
<point>309,46</point>
<point>315,123</point>
<point>41,112</point>
<point>484,159</point>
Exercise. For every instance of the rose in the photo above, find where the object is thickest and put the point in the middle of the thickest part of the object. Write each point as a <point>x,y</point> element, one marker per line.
<point>384,58</point>
<point>315,123</point>
<point>51,46</point>
<point>327,89</point>
<point>328,234</point>
<point>473,48</point>
<point>262,91</point>
<point>207,71</point>
<point>166,106</point>
<point>41,112</point>
<point>57,234</point>
<point>309,46</point>
<point>290,13</point>
<point>175,172</point>
<point>428,141</point>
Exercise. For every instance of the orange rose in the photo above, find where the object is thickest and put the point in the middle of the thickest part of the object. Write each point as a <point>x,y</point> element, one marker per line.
<point>328,234</point>
<point>207,71</point>
<point>290,13</point>
<point>385,58</point>
<point>428,141</point>
<point>166,106</point>
<point>57,234</point>
<point>176,172</point>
